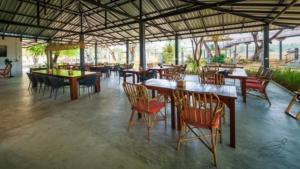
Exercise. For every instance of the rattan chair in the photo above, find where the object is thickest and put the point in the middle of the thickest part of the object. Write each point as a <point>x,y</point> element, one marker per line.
<point>198,112</point>
<point>149,108</point>
<point>261,86</point>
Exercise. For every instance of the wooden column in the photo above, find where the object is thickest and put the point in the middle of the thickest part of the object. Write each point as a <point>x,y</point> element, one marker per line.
<point>266,46</point>
<point>127,52</point>
<point>81,41</point>
<point>96,53</point>
<point>142,44</point>
<point>176,50</point>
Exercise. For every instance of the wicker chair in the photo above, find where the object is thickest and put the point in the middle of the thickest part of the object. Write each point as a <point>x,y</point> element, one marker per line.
<point>261,85</point>
<point>6,72</point>
<point>199,111</point>
<point>149,108</point>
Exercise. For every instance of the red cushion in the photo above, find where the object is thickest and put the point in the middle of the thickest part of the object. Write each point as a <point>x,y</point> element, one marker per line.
<point>253,81</point>
<point>200,118</point>
<point>154,106</point>
<point>257,86</point>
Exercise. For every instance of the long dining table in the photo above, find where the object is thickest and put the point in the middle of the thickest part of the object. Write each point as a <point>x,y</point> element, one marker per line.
<point>226,93</point>
<point>73,76</point>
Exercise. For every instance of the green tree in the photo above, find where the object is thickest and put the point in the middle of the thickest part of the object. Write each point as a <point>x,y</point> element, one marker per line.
<point>36,51</point>
<point>169,54</point>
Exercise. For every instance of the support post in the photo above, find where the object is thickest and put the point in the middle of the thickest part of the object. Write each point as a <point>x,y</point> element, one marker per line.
<point>81,42</point>
<point>127,52</point>
<point>230,52</point>
<point>96,53</point>
<point>142,44</point>
<point>266,46</point>
<point>49,57</point>
<point>247,51</point>
<point>176,50</point>
<point>280,49</point>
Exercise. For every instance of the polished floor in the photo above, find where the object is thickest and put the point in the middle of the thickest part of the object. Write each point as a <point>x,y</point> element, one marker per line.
<point>37,132</point>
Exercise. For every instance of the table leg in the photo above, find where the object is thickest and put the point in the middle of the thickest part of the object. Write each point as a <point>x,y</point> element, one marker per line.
<point>243,88</point>
<point>73,88</point>
<point>138,78</point>
<point>124,78</point>
<point>98,85</point>
<point>231,106</point>
<point>133,78</point>
<point>173,120</point>
<point>160,74</point>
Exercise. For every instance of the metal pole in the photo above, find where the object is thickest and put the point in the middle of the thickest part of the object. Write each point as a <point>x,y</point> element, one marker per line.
<point>280,49</point>
<point>142,44</point>
<point>81,44</point>
<point>96,53</point>
<point>127,52</point>
<point>247,51</point>
<point>176,50</point>
<point>266,46</point>
<point>49,57</point>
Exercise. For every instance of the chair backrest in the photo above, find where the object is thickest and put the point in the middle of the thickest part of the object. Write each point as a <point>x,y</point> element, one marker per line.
<point>259,71</point>
<point>211,77</point>
<point>7,69</point>
<point>198,109</point>
<point>137,94</point>
<point>267,78</point>
<point>56,82</point>
<point>46,80</point>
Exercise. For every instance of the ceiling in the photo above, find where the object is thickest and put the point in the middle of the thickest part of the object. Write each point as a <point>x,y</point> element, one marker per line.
<point>112,22</point>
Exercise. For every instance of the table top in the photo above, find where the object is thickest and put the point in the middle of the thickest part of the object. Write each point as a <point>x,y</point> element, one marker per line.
<point>239,73</point>
<point>160,68</point>
<point>65,73</point>
<point>220,90</point>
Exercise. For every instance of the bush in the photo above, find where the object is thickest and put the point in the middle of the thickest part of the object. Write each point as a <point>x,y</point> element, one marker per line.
<point>219,59</point>
<point>287,78</point>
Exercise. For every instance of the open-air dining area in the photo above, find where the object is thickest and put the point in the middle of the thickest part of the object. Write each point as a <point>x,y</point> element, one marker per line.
<point>149,84</point>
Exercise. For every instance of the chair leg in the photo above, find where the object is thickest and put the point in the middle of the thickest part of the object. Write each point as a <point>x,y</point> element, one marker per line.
<point>213,146</point>
<point>131,121</point>
<point>29,85</point>
<point>51,91</point>
<point>181,136</point>
<point>267,97</point>
<point>55,94</point>
<point>149,126</point>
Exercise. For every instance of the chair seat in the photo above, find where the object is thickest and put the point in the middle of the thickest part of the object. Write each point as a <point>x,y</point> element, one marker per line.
<point>256,86</point>
<point>154,107</point>
<point>201,119</point>
<point>253,81</point>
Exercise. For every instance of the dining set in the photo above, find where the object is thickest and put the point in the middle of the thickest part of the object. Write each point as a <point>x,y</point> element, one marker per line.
<point>195,105</point>
<point>56,79</point>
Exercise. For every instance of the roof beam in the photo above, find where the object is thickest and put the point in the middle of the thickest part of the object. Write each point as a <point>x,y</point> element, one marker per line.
<point>34,26</point>
<point>230,12</point>
<point>283,11</point>
<point>192,9</point>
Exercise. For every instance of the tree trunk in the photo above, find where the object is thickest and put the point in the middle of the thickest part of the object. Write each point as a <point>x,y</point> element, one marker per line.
<point>112,53</point>
<point>197,49</point>
<point>259,45</point>
<point>209,54</point>
<point>217,48</point>
<point>56,55</point>
<point>132,50</point>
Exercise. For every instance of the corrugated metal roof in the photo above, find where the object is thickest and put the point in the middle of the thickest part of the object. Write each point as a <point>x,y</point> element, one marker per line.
<point>186,19</point>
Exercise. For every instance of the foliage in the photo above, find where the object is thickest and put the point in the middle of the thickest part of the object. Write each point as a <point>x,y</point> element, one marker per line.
<point>169,53</point>
<point>192,66</point>
<point>288,78</point>
<point>37,50</point>
<point>70,52</point>
<point>219,59</point>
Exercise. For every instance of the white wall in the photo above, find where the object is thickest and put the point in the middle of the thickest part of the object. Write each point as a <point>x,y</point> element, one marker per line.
<point>14,53</point>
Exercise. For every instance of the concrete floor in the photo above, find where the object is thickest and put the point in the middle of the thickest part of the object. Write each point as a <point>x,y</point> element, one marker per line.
<point>37,132</point>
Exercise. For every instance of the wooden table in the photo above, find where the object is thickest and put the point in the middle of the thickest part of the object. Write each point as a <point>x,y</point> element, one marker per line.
<point>226,93</point>
<point>160,70</point>
<point>62,73</point>
<point>241,75</point>
<point>134,72</point>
